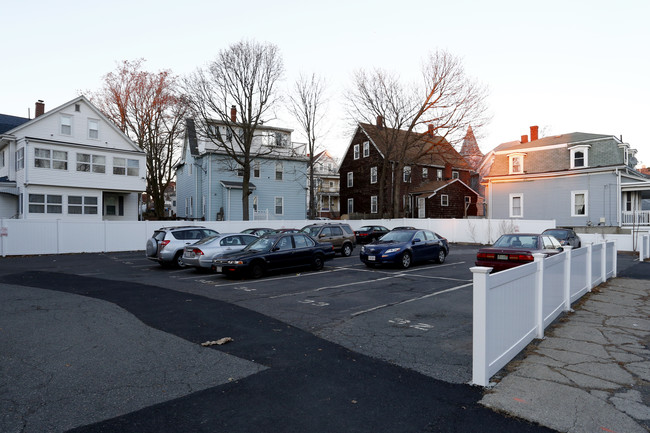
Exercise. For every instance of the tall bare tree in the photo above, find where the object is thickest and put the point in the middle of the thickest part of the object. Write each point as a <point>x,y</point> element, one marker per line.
<point>243,76</point>
<point>307,103</point>
<point>443,104</point>
<point>149,109</point>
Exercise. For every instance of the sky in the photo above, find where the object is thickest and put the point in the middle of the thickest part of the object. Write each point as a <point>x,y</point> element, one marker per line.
<point>565,66</point>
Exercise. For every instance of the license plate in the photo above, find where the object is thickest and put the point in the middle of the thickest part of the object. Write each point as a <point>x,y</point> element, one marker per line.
<point>189,254</point>
<point>371,258</point>
<point>219,268</point>
<point>502,257</point>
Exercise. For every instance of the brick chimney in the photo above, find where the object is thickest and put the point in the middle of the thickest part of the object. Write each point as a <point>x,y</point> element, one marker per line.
<point>39,110</point>
<point>430,131</point>
<point>447,174</point>
<point>233,114</point>
<point>380,121</point>
<point>534,130</point>
<point>464,177</point>
<point>524,139</point>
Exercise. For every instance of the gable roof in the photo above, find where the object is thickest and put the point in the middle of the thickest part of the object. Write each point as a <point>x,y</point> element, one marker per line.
<point>437,150</point>
<point>431,188</point>
<point>8,122</point>
<point>571,138</point>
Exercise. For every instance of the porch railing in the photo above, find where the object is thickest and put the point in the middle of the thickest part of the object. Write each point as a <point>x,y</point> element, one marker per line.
<point>636,218</point>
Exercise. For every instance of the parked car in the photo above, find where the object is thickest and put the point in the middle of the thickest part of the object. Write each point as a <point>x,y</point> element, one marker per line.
<point>405,247</point>
<point>405,228</point>
<point>273,252</point>
<point>200,254</point>
<point>367,234</point>
<point>167,244</point>
<point>285,231</point>
<point>565,236</point>
<point>339,235</point>
<point>258,231</point>
<point>516,249</point>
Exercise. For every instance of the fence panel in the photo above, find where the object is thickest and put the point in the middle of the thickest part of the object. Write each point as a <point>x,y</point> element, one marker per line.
<point>553,289</point>
<point>597,252</point>
<point>578,283</point>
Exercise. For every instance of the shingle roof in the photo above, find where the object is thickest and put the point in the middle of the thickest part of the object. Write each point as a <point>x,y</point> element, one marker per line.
<point>432,150</point>
<point>8,122</point>
<point>573,137</point>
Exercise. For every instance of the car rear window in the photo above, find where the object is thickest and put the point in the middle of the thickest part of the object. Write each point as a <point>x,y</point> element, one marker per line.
<point>159,235</point>
<point>347,229</point>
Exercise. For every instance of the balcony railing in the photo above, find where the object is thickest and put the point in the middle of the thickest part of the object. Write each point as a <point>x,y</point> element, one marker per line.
<point>638,218</point>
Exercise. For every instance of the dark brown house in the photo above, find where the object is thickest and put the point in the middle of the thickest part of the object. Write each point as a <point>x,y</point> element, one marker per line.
<point>429,158</point>
<point>445,199</point>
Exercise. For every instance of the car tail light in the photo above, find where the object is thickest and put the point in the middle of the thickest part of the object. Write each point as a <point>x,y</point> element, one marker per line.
<point>362,234</point>
<point>488,256</point>
<point>197,251</point>
<point>163,244</point>
<point>521,257</point>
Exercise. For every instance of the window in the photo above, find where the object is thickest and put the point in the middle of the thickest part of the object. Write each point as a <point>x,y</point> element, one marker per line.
<point>255,204</point>
<point>439,174</point>
<point>516,205</point>
<point>129,167</point>
<point>20,159</point>
<point>579,156</point>
<point>373,174</point>
<point>366,149</point>
<point>407,174</point>
<point>425,173</point>
<point>66,125</point>
<point>91,163</point>
<point>77,107</point>
<point>42,203</point>
<point>93,129</point>
<point>46,158</point>
<point>278,171</point>
<point>239,170</point>
<point>444,200</point>
<point>350,205</point>
<point>256,169</point>
<point>98,164</point>
<point>516,163</point>
<point>115,205</point>
<point>78,205</point>
<point>579,203</point>
<point>454,175</point>
<point>83,162</point>
<point>279,205</point>
<point>350,179</point>
<point>356,151</point>
<point>468,199</point>
<point>373,204</point>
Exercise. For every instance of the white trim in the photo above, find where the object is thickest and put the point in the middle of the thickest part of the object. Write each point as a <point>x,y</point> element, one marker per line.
<point>511,197</point>
<point>573,203</point>
<point>275,206</point>
<point>376,176</point>
<point>511,158</point>
<point>373,198</point>
<point>444,200</point>
<point>584,148</point>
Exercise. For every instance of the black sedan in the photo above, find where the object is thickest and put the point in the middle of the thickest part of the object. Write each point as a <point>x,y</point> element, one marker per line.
<point>516,249</point>
<point>275,251</point>
<point>565,236</point>
<point>367,234</point>
<point>404,247</point>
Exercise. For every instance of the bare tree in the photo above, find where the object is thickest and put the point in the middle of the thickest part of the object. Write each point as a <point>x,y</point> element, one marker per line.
<point>441,106</point>
<point>237,89</point>
<point>149,109</point>
<point>307,104</point>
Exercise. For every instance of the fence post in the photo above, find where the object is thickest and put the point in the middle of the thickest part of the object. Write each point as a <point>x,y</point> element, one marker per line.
<point>642,248</point>
<point>614,259</point>
<point>603,263</point>
<point>480,374</point>
<point>567,278</point>
<point>588,276</point>
<point>539,294</point>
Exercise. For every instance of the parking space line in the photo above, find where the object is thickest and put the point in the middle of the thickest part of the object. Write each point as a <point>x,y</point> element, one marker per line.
<point>284,295</point>
<point>261,280</point>
<point>358,313</point>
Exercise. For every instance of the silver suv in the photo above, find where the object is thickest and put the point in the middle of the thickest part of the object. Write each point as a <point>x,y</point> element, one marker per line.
<point>167,244</point>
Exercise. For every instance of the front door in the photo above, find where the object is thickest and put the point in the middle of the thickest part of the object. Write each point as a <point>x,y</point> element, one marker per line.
<point>421,208</point>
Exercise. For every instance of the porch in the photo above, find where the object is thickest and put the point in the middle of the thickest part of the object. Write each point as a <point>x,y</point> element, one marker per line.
<point>637,218</point>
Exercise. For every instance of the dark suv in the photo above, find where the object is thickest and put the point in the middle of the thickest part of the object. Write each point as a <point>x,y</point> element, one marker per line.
<point>167,244</point>
<point>339,235</point>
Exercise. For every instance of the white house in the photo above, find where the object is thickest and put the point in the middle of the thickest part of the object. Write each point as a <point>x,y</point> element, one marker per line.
<point>69,163</point>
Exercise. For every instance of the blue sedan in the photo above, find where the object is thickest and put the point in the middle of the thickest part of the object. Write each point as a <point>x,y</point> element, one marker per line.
<point>404,247</point>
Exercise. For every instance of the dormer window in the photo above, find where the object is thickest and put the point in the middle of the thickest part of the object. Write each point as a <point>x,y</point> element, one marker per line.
<point>579,156</point>
<point>516,163</point>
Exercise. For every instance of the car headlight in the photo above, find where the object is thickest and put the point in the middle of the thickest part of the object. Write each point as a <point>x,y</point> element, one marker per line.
<point>235,262</point>
<point>363,249</point>
<point>392,250</point>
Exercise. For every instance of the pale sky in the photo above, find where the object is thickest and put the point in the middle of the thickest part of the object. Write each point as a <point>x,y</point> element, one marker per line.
<point>566,66</point>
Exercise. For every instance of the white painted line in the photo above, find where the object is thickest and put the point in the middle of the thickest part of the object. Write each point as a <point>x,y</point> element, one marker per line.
<point>358,313</point>
<point>284,295</point>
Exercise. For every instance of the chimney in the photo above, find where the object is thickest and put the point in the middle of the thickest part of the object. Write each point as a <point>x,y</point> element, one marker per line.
<point>524,139</point>
<point>233,114</point>
<point>430,131</point>
<point>533,133</point>
<point>465,177</point>
<point>447,174</point>
<point>380,121</point>
<point>40,108</point>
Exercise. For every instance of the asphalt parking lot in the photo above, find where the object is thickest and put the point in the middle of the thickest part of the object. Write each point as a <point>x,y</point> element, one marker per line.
<point>347,348</point>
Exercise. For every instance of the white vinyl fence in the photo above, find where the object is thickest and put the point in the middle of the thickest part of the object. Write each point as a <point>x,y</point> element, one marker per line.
<point>513,307</point>
<point>644,248</point>
<point>31,237</point>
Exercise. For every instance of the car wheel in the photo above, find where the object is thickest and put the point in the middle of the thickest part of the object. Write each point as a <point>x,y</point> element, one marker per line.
<point>406,260</point>
<point>579,244</point>
<point>317,263</point>
<point>441,256</point>
<point>257,270</point>
<point>346,251</point>
<point>178,260</point>
<point>152,247</point>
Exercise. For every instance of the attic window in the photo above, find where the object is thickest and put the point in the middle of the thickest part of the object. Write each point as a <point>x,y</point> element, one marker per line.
<point>516,163</point>
<point>77,108</point>
<point>579,156</point>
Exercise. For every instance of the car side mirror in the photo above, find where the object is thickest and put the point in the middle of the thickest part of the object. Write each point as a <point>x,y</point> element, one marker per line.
<point>275,249</point>
<point>416,240</point>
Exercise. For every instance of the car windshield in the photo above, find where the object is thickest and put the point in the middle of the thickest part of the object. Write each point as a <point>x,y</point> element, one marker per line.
<point>365,229</point>
<point>311,231</point>
<point>516,241</point>
<point>261,244</point>
<point>557,234</point>
<point>397,236</point>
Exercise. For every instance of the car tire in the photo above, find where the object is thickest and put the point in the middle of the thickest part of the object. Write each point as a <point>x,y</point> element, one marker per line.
<point>257,270</point>
<point>178,260</point>
<point>441,256</point>
<point>579,245</point>
<point>405,261</point>
<point>346,251</point>
<point>317,263</point>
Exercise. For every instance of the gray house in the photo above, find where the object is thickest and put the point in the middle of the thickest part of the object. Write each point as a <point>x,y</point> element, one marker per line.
<point>578,179</point>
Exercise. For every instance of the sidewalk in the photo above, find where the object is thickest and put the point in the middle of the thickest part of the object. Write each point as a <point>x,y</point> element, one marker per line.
<point>592,371</point>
